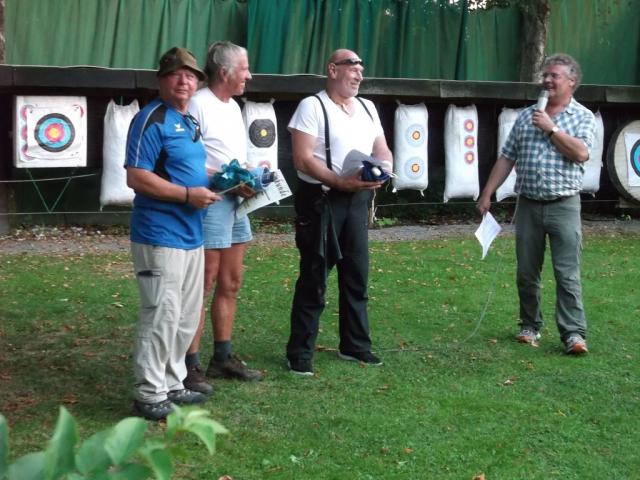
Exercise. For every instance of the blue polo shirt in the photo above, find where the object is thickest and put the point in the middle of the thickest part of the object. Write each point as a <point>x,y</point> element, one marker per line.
<point>161,140</point>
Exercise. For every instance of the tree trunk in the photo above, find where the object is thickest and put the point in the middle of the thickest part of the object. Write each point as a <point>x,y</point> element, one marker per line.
<point>535,25</point>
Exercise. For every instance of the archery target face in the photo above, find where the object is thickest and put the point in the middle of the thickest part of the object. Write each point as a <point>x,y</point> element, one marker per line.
<point>469,125</point>
<point>469,141</point>
<point>634,158</point>
<point>415,135</point>
<point>262,133</point>
<point>469,157</point>
<point>52,131</point>
<point>414,168</point>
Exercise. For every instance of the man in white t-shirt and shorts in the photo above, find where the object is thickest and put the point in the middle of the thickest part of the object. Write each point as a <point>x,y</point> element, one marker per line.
<point>332,212</point>
<point>225,236</point>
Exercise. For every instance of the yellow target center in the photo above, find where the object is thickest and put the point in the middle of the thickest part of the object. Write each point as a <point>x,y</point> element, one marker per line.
<point>54,133</point>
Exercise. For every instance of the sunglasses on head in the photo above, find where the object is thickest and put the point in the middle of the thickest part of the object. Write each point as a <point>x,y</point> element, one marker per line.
<point>349,61</point>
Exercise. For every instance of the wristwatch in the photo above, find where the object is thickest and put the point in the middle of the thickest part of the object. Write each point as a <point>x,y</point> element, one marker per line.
<point>555,129</point>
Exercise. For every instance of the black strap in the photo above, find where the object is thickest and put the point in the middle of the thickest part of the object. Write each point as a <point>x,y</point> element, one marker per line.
<point>327,141</point>
<point>365,108</point>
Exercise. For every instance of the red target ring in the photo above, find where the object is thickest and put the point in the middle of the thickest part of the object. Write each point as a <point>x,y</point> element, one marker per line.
<point>469,157</point>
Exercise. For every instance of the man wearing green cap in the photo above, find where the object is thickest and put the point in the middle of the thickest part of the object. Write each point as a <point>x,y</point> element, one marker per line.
<point>166,167</point>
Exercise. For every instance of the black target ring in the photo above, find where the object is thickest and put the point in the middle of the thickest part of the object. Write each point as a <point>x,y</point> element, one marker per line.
<point>262,133</point>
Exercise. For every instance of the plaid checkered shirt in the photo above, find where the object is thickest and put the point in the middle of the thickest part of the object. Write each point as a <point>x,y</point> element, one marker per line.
<point>542,173</point>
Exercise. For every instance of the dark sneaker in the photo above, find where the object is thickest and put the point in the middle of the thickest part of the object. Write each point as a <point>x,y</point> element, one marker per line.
<point>153,411</point>
<point>233,367</point>
<point>300,366</point>
<point>196,381</point>
<point>186,397</point>
<point>529,336</point>
<point>362,357</point>
<point>575,345</point>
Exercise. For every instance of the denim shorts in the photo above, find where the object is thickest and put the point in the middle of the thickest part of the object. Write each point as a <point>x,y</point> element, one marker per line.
<point>221,228</point>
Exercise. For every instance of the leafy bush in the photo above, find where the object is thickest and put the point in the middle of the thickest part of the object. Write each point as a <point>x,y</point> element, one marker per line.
<point>119,452</point>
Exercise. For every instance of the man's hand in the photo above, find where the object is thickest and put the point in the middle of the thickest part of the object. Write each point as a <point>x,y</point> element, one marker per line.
<point>542,121</point>
<point>202,197</point>
<point>484,204</point>
<point>353,183</point>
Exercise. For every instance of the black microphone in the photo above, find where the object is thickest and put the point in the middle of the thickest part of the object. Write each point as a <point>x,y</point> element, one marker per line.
<point>543,98</point>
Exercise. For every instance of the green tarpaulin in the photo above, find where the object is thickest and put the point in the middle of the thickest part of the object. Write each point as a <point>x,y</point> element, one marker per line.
<point>396,38</point>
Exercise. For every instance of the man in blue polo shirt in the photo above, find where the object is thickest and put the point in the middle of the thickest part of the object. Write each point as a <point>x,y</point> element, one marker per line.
<point>166,168</point>
<point>549,148</point>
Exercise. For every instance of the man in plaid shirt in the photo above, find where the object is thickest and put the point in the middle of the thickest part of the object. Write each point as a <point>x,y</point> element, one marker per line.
<point>548,149</point>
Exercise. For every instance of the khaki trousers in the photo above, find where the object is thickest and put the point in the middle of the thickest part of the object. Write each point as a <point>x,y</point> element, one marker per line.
<point>170,281</point>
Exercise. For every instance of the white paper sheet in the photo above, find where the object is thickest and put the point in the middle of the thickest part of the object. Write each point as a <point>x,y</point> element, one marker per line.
<point>274,192</point>
<point>487,232</point>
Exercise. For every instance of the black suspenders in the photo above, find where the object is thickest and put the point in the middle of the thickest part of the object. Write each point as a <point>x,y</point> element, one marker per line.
<point>327,141</point>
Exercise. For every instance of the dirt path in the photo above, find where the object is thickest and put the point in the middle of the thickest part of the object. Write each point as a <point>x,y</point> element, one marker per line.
<point>74,240</point>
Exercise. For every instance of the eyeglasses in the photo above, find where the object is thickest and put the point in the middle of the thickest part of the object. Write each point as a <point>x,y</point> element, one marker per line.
<point>553,76</point>
<point>350,62</point>
<point>197,133</point>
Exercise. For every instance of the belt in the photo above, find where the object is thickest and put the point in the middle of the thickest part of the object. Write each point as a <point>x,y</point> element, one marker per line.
<point>546,202</point>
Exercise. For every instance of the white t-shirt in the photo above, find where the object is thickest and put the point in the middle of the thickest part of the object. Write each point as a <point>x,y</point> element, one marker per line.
<point>223,131</point>
<point>347,132</point>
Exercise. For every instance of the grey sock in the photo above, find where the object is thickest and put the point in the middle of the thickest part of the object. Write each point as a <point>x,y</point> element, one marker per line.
<point>221,350</point>
<point>192,359</point>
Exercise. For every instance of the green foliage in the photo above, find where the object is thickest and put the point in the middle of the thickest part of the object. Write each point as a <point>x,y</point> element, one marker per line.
<point>111,454</point>
<point>385,222</point>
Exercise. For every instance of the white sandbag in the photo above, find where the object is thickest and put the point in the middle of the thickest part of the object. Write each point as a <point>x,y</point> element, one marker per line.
<point>410,147</point>
<point>262,134</point>
<point>506,120</point>
<point>114,190</point>
<point>461,153</point>
<point>592,167</point>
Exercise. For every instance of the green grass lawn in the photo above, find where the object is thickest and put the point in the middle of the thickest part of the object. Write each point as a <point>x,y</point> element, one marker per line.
<point>457,396</point>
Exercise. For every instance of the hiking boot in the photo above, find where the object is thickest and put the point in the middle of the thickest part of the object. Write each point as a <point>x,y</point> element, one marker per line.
<point>300,366</point>
<point>196,381</point>
<point>233,367</point>
<point>575,345</point>
<point>186,397</point>
<point>529,336</point>
<point>362,357</point>
<point>153,411</point>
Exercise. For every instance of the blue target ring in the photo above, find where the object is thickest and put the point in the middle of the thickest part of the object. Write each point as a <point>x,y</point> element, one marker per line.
<point>54,132</point>
<point>414,168</point>
<point>415,135</point>
<point>635,158</point>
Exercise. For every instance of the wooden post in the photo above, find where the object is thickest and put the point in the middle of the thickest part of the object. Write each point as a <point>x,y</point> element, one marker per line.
<point>4,208</point>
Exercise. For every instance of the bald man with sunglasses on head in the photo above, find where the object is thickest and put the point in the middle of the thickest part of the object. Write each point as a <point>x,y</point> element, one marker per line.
<point>332,211</point>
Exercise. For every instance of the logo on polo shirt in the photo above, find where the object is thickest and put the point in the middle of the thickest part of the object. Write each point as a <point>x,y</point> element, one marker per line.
<point>179,127</point>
